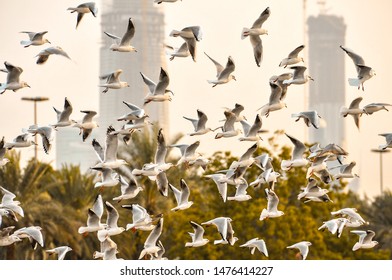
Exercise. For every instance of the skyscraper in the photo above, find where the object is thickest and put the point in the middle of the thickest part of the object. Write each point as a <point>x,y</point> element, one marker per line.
<point>148,19</point>
<point>326,62</point>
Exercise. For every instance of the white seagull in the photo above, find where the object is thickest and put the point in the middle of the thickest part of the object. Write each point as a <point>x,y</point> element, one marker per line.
<point>228,129</point>
<point>365,239</point>
<point>353,110</point>
<point>220,183</point>
<point>182,51</point>
<point>87,125</point>
<point>63,116</point>
<point>364,72</point>
<point>43,55</point>
<point>129,189</point>
<point>84,8</point>
<point>182,197</point>
<point>297,155</point>
<point>351,214</point>
<point>309,117</point>
<point>303,248</point>
<point>21,141</point>
<point>136,112</point>
<point>150,245</point>
<point>388,139</point>
<point>13,83</point>
<point>94,217</point>
<point>191,35</point>
<point>299,76</point>
<point>111,222</point>
<point>275,101</point>
<point>272,206</point>
<point>59,251</point>
<point>251,132</point>
<point>345,171</point>
<point>33,234</point>
<point>125,41</point>
<point>222,224</point>
<point>240,194</point>
<point>375,107</point>
<point>158,91</point>
<point>293,57</point>
<point>47,135</point>
<point>140,218</point>
<point>254,34</point>
<point>113,81</point>
<point>197,236</point>
<point>35,39</point>
<point>334,226</point>
<point>223,74</point>
<point>199,124</point>
<point>258,244</point>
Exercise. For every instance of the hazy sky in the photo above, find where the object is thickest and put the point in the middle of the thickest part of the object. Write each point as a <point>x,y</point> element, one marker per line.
<point>368,32</point>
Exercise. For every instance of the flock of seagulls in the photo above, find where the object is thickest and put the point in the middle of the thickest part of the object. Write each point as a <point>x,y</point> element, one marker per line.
<point>317,162</point>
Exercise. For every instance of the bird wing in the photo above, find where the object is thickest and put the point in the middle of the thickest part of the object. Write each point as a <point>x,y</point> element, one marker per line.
<point>111,145</point>
<point>262,18</point>
<point>355,103</point>
<point>299,148</point>
<point>219,67</point>
<point>257,45</point>
<point>230,67</point>
<point>112,215</point>
<point>127,37</point>
<point>161,151</point>
<point>295,52</point>
<point>162,84</point>
<point>151,85</point>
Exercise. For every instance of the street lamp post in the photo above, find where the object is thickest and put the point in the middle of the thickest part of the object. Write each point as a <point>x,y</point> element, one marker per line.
<point>380,152</point>
<point>35,100</point>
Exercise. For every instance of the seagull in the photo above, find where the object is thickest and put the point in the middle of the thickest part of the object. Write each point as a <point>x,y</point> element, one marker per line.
<point>128,190</point>
<point>181,196</point>
<point>272,206</point>
<point>33,233</point>
<point>222,224</point>
<point>303,248</point>
<point>258,244</point>
<point>140,218</point>
<point>365,239</point>
<point>199,124</point>
<point>59,251</point>
<point>35,39</point>
<point>136,113</point>
<point>254,35</point>
<point>230,239</point>
<point>220,183</point>
<point>267,176</point>
<point>353,110</point>
<point>6,238</point>
<point>297,158</point>
<point>275,101</point>
<point>388,139</point>
<point>223,74</point>
<point>125,41</point>
<point>331,149</point>
<point>228,129</point>
<point>197,236</point>
<point>364,72</point>
<point>43,55</point>
<point>94,218</point>
<point>309,117</point>
<point>251,132</point>
<point>279,81</point>
<point>375,107</point>
<point>150,245</point>
<point>345,171</point>
<point>84,8</point>
<point>108,250</point>
<point>238,108</point>
<point>182,51</point>
<point>109,178</point>
<point>299,76</point>
<point>7,213</point>
<point>191,35</point>
<point>334,226</point>
<point>87,125</point>
<point>13,83</point>
<point>3,149</point>
<point>159,91</point>
<point>351,214</point>
<point>188,152</point>
<point>240,194</point>
<point>312,192</point>
<point>47,135</point>
<point>111,222</point>
<point>63,116</point>
<point>293,57</point>
<point>108,157</point>
<point>21,141</point>
<point>113,81</point>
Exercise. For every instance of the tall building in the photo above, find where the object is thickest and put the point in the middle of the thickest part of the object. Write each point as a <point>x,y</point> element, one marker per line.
<point>326,62</point>
<point>148,19</point>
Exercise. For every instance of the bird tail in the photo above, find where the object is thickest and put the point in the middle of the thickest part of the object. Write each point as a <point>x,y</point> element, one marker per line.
<point>25,43</point>
<point>264,214</point>
<point>244,33</point>
<point>174,33</point>
<point>285,165</point>
<point>301,195</point>
<point>343,111</point>
<point>82,230</point>
<point>353,82</point>
<point>381,147</point>
<point>188,244</point>
<point>356,246</point>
